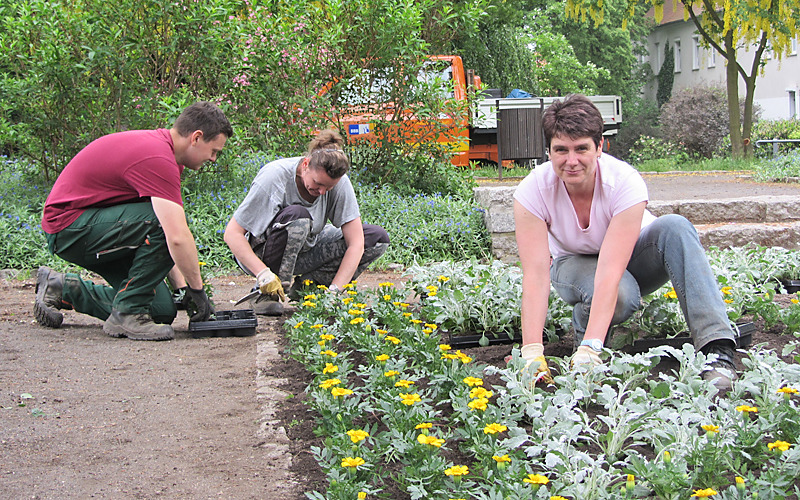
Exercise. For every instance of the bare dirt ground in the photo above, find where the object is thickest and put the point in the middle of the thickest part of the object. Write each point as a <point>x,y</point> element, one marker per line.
<point>84,415</point>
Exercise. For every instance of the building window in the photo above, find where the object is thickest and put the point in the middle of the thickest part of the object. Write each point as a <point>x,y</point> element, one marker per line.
<point>712,57</point>
<point>696,52</point>
<point>792,103</point>
<point>793,51</point>
<point>677,53</point>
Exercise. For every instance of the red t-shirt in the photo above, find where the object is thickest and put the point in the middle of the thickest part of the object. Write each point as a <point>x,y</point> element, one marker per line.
<point>119,168</point>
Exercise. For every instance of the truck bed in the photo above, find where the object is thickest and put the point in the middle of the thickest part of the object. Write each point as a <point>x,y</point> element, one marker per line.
<point>484,117</point>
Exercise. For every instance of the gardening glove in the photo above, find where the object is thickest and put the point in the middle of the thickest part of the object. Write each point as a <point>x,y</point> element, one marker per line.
<point>181,298</point>
<point>534,354</point>
<point>200,300</point>
<point>269,284</point>
<point>585,358</point>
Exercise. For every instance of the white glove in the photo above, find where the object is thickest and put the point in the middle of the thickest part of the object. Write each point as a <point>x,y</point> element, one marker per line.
<point>269,284</point>
<point>534,354</point>
<point>585,358</point>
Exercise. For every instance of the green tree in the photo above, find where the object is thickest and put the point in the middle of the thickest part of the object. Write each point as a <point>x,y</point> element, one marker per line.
<point>666,76</point>
<point>726,26</point>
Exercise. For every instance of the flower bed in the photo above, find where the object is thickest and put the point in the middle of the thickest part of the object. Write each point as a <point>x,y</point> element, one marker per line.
<point>399,411</point>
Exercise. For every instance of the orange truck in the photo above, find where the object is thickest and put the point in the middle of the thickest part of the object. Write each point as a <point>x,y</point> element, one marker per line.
<point>472,136</point>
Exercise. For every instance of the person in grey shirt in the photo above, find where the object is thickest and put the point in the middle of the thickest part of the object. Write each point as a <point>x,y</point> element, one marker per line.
<point>300,220</point>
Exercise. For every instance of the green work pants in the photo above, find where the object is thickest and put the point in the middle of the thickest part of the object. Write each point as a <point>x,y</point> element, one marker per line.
<point>124,244</point>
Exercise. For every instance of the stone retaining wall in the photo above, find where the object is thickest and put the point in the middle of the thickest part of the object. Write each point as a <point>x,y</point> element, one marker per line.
<point>764,220</point>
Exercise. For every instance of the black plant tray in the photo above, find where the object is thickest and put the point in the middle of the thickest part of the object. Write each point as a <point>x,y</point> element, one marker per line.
<point>236,323</point>
<point>743,334</point>
<point>791,286</point>
<point>467,341</point>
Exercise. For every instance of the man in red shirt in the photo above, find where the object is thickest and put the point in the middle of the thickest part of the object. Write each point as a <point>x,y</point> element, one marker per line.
<point>116,210</point>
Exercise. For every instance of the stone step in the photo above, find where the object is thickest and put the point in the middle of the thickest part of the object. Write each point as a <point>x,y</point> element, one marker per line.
<point>764,209</point>
<point>737,234</point>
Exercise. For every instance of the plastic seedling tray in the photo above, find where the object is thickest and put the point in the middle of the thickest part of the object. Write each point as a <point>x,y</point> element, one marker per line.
<point>743,335</point>
<point>467,341</point>
<point>236,323</point>
<point>791,286</point>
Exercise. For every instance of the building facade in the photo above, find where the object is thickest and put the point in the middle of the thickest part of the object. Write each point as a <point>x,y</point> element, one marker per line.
<point>777,88</point>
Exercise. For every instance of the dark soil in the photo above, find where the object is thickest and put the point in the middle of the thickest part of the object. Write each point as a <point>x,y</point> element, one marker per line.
<point>84,415</point>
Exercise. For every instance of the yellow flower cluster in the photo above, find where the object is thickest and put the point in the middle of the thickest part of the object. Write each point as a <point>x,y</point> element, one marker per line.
<point>404,383</point>
<point>747,409</point>
<point>330,353</point>
<point>457,470</point>
<point>330,368</point>
<point>494,428</point>
<point>409,399</point>
<point>708,492</point>
<point>480,392</point>
<point>357,435</point>
<point>391,373</point>
<point>327,384</point>
<point>457,355</point>
<point>382,357</point>
<point>392,339</point>
<point>788,391</point>
<point>709,428</point>
<point>501,458</point>
<point>430,440</point>
<point>780,445</point>
<point>536,479</point>
<point>356,321</point>
<point>340,391</point>
<point>473,381</point>
<point>424,425</point>
<point>386,284</point>
<point>353,462</point>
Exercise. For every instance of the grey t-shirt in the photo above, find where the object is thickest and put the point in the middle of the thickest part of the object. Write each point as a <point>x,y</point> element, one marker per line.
<point>274,188</point>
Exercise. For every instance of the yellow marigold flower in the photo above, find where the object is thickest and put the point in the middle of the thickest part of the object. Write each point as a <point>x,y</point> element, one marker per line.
<point>386,283</point>
<point>308,303</point>
<point>406,315</point>
<point>556,497</point>
<point>480,392</point>
<point>457,470</point>
<point>449,356</point>
<point>795,301</point>
<point>352,462</point>
<point>391,373</point>
<point>478,404</point>
<point>463,357</point>
<point>340,391</point>
<point>409,399</point>
<point>787,391</point>
<point>392,339</point>
<point>430,440</point>
<point>739,480</point>
<point>404,383</point>
<point>307,282</point>
<point>494,428</point>
<point>330,353</point>
<point>326,336</point>
<point>444,279</point>
<point>501,458</point>
<point>671,294</point>
<point>432,288</point>
<point>397,303</point>
<point>416,321</point>
<point>424,425</point>
<point>201,263</point>
<point>473,381</point>
<point>710,428</point>
<point>321,343</point>
<point>357,435</point>
<point>781,445</point>
<point>381,332</point>
<point>347,300</point>
<point>431,294</point>
<point>427,331</point>
<point>310,296</point>
<point>330,368</point>
<point>405,305</point>
<point>352,284</point>
<point>387,297</point>
<point>352,292</point>
<point>360,305</point>
<point>728,301</point>
<point>444,347</point>
<point>356,321</point>
<point>726,290</point>
<point>381,357</point>
<point>747,409</point>
<point>327,384</point>
<point>299,324</point>
<point>355,312</point>
<point>708,492</point>
<point>432,326</point>
<point>317,326</point>
<point>362,495</point>
<point>536,479</point>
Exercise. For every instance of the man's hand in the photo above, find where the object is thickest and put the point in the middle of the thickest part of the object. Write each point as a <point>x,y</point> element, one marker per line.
<point>204,307</point>
<point>269,284</point>
<point>533,354</point>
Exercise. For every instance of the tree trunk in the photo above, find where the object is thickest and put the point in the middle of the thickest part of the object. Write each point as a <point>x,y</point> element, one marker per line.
<point>732,80</point>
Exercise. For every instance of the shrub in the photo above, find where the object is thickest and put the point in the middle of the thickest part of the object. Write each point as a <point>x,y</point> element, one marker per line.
<point>775,129</point>
<point>648,148</point>
<point>641,119</point>
<point>698,118</point>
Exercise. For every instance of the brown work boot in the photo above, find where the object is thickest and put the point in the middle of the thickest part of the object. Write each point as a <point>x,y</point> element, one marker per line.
<point>49,287</point>
<point>136,326</point>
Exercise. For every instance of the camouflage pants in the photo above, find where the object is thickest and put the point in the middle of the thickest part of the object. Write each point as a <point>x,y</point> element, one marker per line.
<point>284,249</point>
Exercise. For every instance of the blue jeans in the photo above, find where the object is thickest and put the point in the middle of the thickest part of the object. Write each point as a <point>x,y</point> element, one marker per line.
<point>668,249</point>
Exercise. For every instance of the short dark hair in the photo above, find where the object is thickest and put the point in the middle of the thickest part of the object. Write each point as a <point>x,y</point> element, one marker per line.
<point>206,117</point>
<point>575,116</point>
<point>325,152</point>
